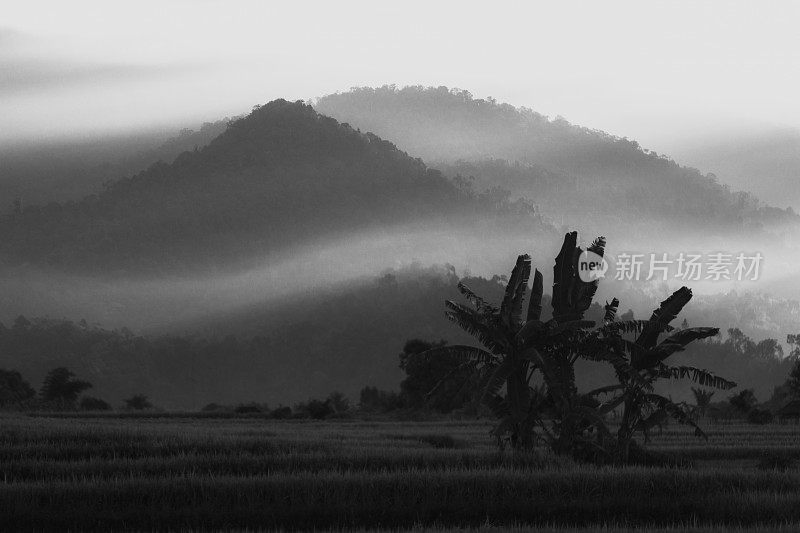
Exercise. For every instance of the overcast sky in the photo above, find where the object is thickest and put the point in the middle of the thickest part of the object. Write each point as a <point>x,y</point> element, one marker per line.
<point>653,71</point>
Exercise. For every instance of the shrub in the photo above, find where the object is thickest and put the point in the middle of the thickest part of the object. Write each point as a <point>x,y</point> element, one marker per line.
<point>335,405</point>
<point>251,407</point>
<point>281,413</point>
<point>14,390</point>
<point>138,402</point>
<point>316,409</point>
<point>744,401</point>
<point>89,403</point>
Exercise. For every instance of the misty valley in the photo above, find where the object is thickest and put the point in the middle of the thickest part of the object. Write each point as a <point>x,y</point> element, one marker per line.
<point>369,310</point>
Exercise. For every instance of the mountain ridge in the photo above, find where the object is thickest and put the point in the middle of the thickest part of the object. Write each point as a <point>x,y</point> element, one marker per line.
<point>277,176</point>
<point>448,127</point>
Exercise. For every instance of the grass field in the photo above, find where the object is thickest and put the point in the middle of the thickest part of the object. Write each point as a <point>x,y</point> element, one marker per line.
<point>250,473</point>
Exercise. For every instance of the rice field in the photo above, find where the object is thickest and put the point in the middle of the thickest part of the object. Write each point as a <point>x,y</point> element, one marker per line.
<point>180,473</point>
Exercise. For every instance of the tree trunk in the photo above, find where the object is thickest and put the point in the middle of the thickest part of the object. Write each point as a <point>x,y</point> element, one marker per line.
<point>625,432</point>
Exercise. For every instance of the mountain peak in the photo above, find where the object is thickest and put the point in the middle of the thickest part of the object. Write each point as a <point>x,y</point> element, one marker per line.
<point>460,134</point>
<point>282,132</point>
<point>275,178</point>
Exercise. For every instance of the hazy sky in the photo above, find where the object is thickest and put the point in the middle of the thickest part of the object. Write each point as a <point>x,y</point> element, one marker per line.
<point>654,71</point>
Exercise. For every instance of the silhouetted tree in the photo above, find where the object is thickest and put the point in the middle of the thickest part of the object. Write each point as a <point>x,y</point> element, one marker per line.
<point>794,342</point>
<point>138,402</point>
<point>781,395</point>
<point>248,408</point>
<point>314,408</point>
<point>374,399</point>
<point>61,389</point>
<point>702,399</point>
<point>517,345</point>
<point>794,380</point>
<point>744,401</point>
<point>640,364</point>
<point>339,402</point>
<point>768,349</point>
<point>454,383</point>
<point>14,390</point>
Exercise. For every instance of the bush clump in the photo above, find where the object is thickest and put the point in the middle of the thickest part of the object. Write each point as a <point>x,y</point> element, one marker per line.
<point>248,408</point>
<point>89,403</point>
<point>281,413</point>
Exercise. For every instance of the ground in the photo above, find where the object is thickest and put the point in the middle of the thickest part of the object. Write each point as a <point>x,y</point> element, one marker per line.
<point>182,472</point>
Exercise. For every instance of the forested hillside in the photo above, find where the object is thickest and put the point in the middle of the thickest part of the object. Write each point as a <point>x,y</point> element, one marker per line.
<point>281,176</point>
<point>581,174</point>
<point>766,163</point>
<point>343,338</point>
<point>62,170</point>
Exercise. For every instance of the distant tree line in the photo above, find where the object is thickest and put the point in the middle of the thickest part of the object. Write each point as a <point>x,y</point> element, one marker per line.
<point>60,391</point>
<point>248,355</point>
<point>431,385</point>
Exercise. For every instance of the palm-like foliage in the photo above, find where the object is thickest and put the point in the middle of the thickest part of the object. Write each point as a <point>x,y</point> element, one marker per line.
<point>640,363</point>
<point>702,399</point>
<point>520,350</point>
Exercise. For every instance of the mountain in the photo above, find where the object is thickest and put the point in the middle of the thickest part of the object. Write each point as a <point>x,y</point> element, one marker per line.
<point>765,162</point>
<point>585,177</point>
<point>280,176</point>
<point>68,169</point>
<point>172,247</point>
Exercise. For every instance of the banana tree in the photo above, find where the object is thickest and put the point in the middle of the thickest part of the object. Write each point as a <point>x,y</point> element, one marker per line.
<point>640,363</point>
<point>702,399</point>
<point>518,347</point>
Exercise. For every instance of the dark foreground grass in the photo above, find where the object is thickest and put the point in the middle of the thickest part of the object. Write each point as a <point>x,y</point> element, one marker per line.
<point>404,500</point>
<point>211,474</point>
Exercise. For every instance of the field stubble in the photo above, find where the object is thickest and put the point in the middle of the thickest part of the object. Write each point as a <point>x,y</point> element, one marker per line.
<point>176,473</point>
